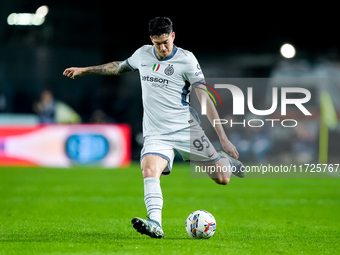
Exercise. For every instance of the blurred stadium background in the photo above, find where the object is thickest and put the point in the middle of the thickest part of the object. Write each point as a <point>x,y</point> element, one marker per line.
<point>231,41</point>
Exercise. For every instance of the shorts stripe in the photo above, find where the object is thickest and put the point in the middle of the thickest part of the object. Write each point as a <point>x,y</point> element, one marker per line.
<point>158,154</point>
<point>208,162</point>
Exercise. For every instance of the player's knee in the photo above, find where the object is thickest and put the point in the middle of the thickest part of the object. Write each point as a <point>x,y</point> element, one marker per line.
<point>149,171</point>
<point>222,181</point>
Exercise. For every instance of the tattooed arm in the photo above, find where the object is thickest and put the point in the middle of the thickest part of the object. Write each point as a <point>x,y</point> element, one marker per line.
<point>112,68</point>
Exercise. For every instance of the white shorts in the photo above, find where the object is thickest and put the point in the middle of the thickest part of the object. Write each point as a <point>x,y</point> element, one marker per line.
<point>192,143</point>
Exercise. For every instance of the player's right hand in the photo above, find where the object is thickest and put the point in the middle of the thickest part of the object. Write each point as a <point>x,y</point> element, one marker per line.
<point>230,148</point>
<point>73,72</point>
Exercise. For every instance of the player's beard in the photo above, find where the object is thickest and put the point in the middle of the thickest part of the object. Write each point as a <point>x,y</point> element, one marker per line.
<point>164,54</point>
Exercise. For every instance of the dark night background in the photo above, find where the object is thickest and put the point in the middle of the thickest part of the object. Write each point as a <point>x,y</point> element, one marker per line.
<point>228,39</point>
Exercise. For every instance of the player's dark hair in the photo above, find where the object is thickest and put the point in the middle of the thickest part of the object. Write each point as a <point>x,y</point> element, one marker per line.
<point>159,26</point>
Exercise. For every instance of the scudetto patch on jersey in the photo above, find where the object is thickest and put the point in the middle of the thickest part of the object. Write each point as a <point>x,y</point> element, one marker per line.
<point>156,67</point>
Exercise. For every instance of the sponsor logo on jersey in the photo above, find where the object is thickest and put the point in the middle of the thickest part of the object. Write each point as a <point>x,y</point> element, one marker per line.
<point>169,70</point>
<point>199,72</point>
<point>157,85</point>
<point>155,79</point>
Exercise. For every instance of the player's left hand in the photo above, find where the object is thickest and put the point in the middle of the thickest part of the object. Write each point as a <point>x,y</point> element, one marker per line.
<point>230,148</point>
<point>73,72</point>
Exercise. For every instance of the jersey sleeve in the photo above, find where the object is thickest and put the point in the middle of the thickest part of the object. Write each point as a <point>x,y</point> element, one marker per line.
<point>193,73</point>
<point>133,61</point>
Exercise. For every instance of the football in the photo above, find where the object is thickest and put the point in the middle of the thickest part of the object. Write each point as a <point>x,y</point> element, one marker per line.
<point>200,224</point>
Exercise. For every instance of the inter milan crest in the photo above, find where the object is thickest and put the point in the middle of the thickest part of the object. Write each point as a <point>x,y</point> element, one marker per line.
<point>169,70</point>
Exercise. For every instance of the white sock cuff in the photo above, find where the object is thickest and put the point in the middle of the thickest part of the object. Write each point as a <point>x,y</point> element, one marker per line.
<point>151,180</point>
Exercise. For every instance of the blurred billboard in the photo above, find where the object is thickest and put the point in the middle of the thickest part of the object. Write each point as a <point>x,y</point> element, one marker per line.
<point>65,145</point>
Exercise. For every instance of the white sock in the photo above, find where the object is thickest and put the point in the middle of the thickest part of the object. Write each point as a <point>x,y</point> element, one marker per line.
<point>153,198</point>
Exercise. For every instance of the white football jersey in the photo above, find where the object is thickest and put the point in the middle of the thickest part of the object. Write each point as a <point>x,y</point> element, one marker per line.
<point>166,84</point>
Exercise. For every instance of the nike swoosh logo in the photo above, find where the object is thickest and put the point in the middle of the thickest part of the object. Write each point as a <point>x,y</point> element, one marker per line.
<point>143,65</point>
<point>211,155</point>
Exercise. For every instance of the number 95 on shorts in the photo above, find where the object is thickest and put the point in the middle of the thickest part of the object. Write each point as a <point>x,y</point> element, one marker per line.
<point>201,149</point>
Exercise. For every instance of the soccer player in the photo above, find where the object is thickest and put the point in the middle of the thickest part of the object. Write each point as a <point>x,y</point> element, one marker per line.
<point>168,74</point>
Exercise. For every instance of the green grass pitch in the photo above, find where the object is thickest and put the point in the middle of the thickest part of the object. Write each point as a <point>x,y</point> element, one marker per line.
<point>88,211</point>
